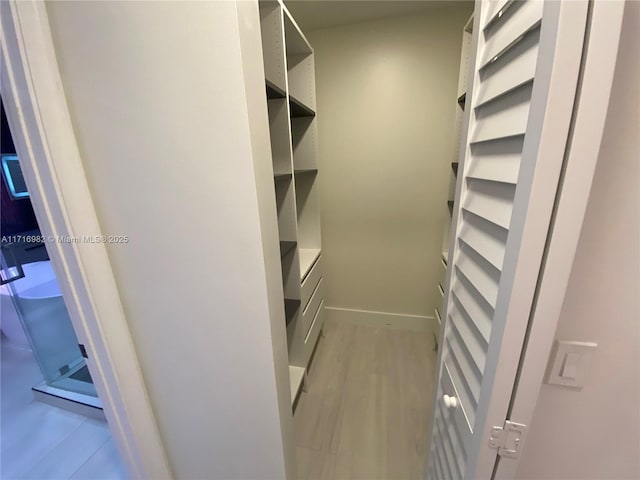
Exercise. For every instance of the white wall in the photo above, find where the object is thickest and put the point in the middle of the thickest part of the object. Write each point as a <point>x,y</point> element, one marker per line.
<point>161,96</point>
<point>595,432</point>
<point>386,94</point>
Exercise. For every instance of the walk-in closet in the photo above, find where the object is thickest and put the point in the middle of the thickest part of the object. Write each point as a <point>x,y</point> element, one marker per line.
<point>393,246</point>
<point>366,110</point>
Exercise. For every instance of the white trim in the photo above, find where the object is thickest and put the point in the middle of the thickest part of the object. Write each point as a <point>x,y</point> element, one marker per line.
<point>369,318</point>
<point>43,134</point>
<point>583,151</point>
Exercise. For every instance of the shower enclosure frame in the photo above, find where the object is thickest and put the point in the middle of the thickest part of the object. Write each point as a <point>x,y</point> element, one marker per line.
<point>37,112</point>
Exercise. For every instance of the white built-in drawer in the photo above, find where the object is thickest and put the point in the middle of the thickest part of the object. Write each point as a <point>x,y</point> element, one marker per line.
<point>310,282</point>
<point>311,338</point>
<point>310,310</point>
<point>316,326</point>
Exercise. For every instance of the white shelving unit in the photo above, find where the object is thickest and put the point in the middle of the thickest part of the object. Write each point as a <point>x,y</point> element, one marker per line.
<point>465,55</point>
<point>290,89</point>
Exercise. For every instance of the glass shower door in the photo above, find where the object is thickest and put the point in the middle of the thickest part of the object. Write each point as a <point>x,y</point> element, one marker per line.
<point>39,306</point>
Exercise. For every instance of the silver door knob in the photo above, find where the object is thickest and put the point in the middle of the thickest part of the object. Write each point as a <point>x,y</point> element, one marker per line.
<point>449,401</point>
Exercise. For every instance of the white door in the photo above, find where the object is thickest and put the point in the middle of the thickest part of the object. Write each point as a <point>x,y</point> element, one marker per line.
<point>523,83</point>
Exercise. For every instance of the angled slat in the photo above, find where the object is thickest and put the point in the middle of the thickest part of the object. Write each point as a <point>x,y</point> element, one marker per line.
<point>506,116</point>
<point>514,68</point>
<point>483,276</point>
<point>475,307</point>
<point>452,436</point>
<point>473,342</point>
<point>436,462</point>
<point>464,364</point>
<point>465,395</point>
<point>518,20</point>
<point>489,200</point>
<point>460,418</point>
<point>486,238</point>
<point>495,10</point>
<point>431,470</point>
<point>442,459</point>
<point>465,360</point>
<point>448,448</point>
<point>433,457</point>
<point>498,161</point>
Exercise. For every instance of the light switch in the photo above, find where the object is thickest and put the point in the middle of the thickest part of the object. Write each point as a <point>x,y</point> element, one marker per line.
<point>570,363</point>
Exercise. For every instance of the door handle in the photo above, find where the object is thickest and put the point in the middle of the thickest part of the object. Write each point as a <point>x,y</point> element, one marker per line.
<point>449,401</point>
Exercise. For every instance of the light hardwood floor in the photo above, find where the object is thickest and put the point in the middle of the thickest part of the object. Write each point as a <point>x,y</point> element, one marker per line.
<point>366,410</point>
<point>40,441</point>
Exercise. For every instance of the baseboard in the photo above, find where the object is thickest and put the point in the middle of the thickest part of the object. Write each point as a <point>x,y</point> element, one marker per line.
<point>71,401</point>
<point>396,321</point>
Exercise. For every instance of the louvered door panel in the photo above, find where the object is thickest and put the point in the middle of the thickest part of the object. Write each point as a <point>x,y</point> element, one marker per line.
<point>490,200</point>
<point>485,238</point>
<point>504,84</point>
<point>520,18</point>
<point>497,161</point>
<point>516,67</point>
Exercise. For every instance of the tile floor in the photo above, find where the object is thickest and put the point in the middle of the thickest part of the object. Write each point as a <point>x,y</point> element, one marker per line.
<point>39,441</point>
<point>366,410</point>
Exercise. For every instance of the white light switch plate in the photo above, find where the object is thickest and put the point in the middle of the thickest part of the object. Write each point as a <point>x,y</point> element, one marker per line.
<point>571,362</point>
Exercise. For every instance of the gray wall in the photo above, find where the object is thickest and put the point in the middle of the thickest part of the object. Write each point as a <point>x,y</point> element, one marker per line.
<point>595,432</point>
<point>386,93</point>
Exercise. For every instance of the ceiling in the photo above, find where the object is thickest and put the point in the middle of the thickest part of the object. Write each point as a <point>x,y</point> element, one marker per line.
<point>314,14</point>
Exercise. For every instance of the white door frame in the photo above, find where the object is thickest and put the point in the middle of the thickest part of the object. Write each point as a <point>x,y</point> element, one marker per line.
<point>583,149</point>
<point>43,134</point>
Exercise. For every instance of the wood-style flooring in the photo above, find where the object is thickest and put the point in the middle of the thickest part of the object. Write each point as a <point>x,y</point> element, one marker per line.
<point>366,410</point>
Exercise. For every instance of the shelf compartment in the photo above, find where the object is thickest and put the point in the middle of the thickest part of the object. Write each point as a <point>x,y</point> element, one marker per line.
<point>454,167</point>
<point>290,282</point>
<point>286,208</point>
<point>298,109</point>
<point>279,133</point>
<point>308,257</point>
<point>304,139</point>
<point>296,379</point>
<point>291,306</point>
<point>450,205</point>
<point>300,171</point>
<point>273,47</point>
<point>296,43</point>
<point>462,99</point>
<point>281,177</point>
<point>300,64</point>
<point>273,91</point>
<point>300,74</point>
<point>286,247</point>
<point>308,214</point>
